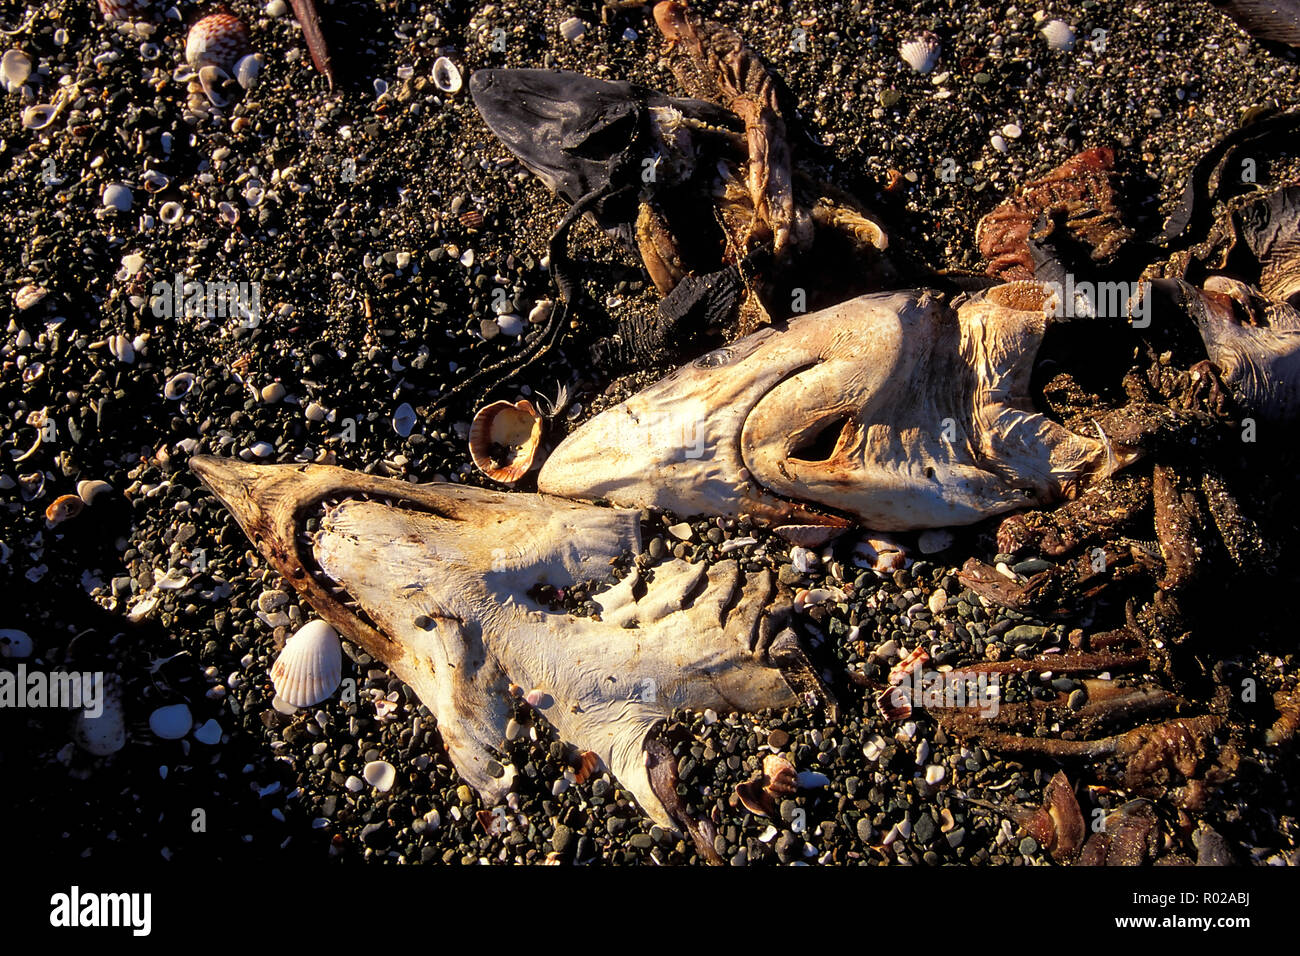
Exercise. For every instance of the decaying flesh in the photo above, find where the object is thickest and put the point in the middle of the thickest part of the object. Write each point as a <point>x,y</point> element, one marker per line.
<point>890,411</point>
<point>435,581</point>
<point>712,62</point>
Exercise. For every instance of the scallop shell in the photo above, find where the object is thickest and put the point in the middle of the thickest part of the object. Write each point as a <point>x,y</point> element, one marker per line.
<point>310,666</point>
<point>15,67</point>
<point>219,39</point>
<point>64,507</point>
<point>446,75</point>
<point>921,52</point>
<point>1059,34</point>
<point>504,438</point>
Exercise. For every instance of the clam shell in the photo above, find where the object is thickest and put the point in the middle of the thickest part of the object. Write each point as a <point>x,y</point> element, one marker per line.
<point>504,438</point>
<point>310,667</point>
<point>247,70</point>
<point>15,67</point>
<point>921,52</point>
<point>219,39</point>
<point>39,116</point>
<point>446,75</point>
<point>1059,34</point>
<point>89,490</point>
<point>380,775</point>
<point>178,386</point>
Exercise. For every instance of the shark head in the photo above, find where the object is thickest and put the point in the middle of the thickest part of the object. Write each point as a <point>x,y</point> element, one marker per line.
<point>440,583</point>
<point>891,411</point>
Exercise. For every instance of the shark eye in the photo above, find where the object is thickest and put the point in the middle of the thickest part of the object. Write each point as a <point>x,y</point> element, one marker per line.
<point>714,359</point>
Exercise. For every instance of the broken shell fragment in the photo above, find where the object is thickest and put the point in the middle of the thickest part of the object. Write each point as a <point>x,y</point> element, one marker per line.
<point>123,9</point>
<point>154,181</point>
<point>895,704</point>
<point>28,296</point>
<point>921,52</point>
<point>310,666</point>
<point>781,776</point>
<point>212,78</point>
<point>446,75</point>
<point>899,672</point>
<point>171,212</point>
<point>64,507</point>
<point>504,438</point>
<point>588,762</point>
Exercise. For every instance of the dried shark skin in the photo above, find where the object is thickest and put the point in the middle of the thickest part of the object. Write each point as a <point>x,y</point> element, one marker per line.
<point>433,580</point>
<point>892,411</point>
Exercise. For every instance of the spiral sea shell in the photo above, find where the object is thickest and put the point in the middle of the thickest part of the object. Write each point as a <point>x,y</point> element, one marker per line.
<point>310,666</point>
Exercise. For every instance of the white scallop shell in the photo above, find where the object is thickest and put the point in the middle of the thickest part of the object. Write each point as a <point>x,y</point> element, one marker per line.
<point>446,76</point>
<point>1059,34</point>
<point>921,52</point>
<point>310,667</point>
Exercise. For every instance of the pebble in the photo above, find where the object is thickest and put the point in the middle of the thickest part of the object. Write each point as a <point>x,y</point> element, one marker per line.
<point>171,722</point>
<point>273,393</point>
<point>380,774</point>
<point>511,325</point>
<point>117,196</point>
<point>934,774</point>
<point>209,732</point>
<point>572,29</point>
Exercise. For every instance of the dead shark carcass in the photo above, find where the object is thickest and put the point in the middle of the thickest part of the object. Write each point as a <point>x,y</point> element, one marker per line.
<point>890,411</point>
<point>435,581</point>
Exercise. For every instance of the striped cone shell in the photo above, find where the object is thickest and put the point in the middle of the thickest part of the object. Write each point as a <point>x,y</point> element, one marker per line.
<point>123,9</point>
<point>219,39</point>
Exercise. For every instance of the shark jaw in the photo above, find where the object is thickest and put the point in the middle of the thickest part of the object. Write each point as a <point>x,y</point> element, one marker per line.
<point>434,581</point>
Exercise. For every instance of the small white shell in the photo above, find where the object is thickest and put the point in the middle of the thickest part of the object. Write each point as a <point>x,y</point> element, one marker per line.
<point>122,348</point>
<point>39,116</point>
<point>211,78</point>
<point>171,212</point>
<point>247,70</point>
<point>228,213</point>
<point>154,181</point>
<point>446,76</point>
<point>921,52</point>
<point>171,722</point>
<point>178,386</point>
<point>92,489</point>
<point>404,419</point>
<point>310,667</point>
<point>117,196</point>
<point>380,775</point>
<point>15,67</point>
<point>1059,34</point>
